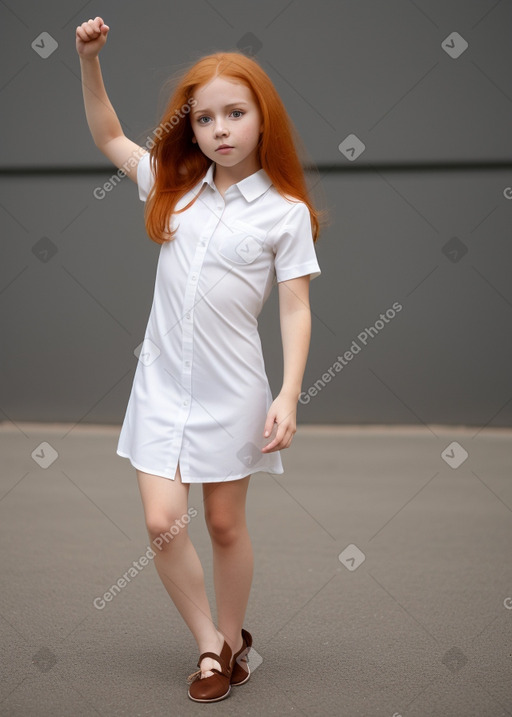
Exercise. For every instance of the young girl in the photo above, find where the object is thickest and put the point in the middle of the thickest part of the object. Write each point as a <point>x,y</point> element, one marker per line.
<point>226,198</point>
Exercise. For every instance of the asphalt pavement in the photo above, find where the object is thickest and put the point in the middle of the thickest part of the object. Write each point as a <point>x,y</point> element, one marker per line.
<point>382,583</point>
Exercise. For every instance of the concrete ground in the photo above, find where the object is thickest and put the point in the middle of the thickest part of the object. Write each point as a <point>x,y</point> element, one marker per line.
<point>382,585</point>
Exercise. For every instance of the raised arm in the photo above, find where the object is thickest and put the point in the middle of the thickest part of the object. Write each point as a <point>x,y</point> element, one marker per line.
<point>102,119</point>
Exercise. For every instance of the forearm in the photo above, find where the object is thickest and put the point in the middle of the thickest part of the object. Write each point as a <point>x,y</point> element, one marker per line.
<point>101,117</point>
<point>296,336</point>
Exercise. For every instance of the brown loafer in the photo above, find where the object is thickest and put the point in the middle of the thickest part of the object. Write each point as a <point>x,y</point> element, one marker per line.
<point>215,687</point>
<point>241,672</point>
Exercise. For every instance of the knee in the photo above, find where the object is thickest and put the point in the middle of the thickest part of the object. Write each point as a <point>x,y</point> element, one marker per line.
<point>164,528</point>
<point>222,528</point>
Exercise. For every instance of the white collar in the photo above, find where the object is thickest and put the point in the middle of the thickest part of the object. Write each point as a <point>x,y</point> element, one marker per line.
<point>251,187</point>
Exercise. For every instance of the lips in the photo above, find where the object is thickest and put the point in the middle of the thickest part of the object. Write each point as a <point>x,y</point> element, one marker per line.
<point>225,146</point>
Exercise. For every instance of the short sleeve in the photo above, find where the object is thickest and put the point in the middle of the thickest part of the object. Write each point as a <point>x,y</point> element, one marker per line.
<point>145,177</point>
<point>294,248</point>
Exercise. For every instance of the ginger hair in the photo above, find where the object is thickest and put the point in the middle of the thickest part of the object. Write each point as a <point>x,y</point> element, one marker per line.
<point>178,163</point>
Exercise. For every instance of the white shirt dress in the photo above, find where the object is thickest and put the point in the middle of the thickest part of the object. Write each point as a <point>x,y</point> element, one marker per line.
<point>200,394</point>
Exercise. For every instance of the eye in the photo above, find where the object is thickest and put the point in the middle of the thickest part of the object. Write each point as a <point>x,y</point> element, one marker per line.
<point>240,113</point>
<point>202,118</point>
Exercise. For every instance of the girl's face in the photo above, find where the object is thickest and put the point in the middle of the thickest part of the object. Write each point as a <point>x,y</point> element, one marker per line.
<point>227,113</point>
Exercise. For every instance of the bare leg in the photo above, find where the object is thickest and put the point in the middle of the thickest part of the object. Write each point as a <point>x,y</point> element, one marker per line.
<point>233,560</point>
<point>165,503</point>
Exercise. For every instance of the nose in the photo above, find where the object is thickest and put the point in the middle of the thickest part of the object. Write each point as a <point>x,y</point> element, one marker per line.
<point>220,129</point>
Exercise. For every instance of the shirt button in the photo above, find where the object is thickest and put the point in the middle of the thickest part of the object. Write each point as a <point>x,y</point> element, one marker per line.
<point>187,363</point>
<point>188,316</point>
<point>185,403</point>
<point>194,277</point>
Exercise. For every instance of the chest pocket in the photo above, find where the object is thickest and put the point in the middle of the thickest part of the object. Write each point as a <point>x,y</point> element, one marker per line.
<point>243,244</point>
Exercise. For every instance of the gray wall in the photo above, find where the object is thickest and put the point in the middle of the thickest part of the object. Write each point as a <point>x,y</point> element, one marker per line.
<point>433,180</point>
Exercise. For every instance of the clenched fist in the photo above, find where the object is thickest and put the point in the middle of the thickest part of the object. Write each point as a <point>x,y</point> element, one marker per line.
<point>90,37</point>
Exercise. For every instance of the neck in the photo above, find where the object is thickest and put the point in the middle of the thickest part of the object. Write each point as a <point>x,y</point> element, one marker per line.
<point>226,176</point>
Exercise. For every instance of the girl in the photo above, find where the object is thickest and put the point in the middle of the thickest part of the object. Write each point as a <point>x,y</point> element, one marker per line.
<point>226,198</point>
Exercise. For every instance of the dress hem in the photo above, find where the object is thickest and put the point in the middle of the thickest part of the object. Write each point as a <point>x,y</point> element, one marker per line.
<point>200,480</point>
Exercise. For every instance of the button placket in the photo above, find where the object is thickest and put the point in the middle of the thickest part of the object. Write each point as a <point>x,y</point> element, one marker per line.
<point>187,343</point>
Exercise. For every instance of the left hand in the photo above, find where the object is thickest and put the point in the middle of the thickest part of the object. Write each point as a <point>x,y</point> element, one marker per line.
<point>283,411</point>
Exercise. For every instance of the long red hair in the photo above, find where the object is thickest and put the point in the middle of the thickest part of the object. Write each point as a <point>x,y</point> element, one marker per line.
<point>179,164</point>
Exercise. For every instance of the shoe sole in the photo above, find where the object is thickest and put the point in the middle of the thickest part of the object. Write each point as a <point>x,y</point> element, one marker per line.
<point>215,699</point>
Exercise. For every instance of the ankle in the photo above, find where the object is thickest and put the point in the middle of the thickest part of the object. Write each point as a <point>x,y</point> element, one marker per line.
<point>238,646</point>
<point>220,637</point>
<point>211,643</point>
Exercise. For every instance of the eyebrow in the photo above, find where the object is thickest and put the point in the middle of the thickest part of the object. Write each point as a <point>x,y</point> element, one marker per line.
<point>231,104</point>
